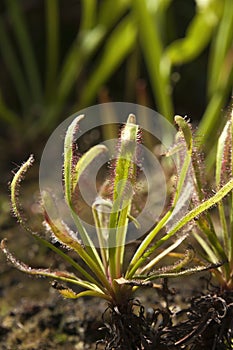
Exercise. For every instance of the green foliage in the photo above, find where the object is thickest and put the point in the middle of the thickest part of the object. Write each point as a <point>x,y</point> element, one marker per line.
<point>218,242</point>
<point>111,39</point>
<point>106,272</point>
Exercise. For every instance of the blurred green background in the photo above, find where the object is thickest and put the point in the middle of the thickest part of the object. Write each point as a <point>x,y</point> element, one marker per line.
<point>58,56</point>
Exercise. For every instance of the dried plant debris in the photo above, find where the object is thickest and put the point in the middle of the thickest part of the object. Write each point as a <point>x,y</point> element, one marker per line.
<point>130,327</point>
<point>206,324</point>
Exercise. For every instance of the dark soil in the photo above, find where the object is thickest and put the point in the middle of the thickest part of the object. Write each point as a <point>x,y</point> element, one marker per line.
<point>52,324</point>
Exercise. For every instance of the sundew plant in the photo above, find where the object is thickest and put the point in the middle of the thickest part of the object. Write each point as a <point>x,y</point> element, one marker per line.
<point>105,271</point>
<point>215,232</point>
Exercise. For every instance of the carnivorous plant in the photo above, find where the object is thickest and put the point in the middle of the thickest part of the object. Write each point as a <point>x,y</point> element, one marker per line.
<point>106,273</point>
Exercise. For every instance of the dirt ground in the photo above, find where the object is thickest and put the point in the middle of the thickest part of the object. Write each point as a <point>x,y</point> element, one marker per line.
<point>34,317</point>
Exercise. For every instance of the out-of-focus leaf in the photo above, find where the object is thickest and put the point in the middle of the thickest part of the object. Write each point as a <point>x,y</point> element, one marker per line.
<point>152,49</point>
<point>52,48</point>
<point>107,17</point>
<point>220,77</point>
<point>26,50</point>
<point>8,115</point>
<point>88,14</point>
<point>119,44</point>
<point>211,118</point>
<point>222,42</point>
<point>85,161</point>
<point>12,64</point>
<point>198,35</point>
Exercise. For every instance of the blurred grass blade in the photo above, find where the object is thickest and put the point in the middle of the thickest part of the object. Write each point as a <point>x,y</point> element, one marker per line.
<point>26,49</point>
<point>211,117</point>
<point>118,46</point>
<point>52,45</point>
<point>152,49</point>
<point>222,42</point>
<point>197,37</point>
<point>85,161</point>
<point>7,115</point>
<point>220,76</point>
<point>13,66</point>
<point>107,17</point>
<point>80,53</point>
<point>159,6</point>
<point>88,18</point>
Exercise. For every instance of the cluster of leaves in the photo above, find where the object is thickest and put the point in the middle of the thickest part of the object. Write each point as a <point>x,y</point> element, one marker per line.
<point>217,239</point>
<point>111,37</point>
<point>107,273</point>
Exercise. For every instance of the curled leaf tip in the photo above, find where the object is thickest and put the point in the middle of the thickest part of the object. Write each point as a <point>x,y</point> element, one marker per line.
<point>131,119</point>
<point>3,244</point>
<point>185,127</point>
<point>78,118</point>
<point>15,185</point>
